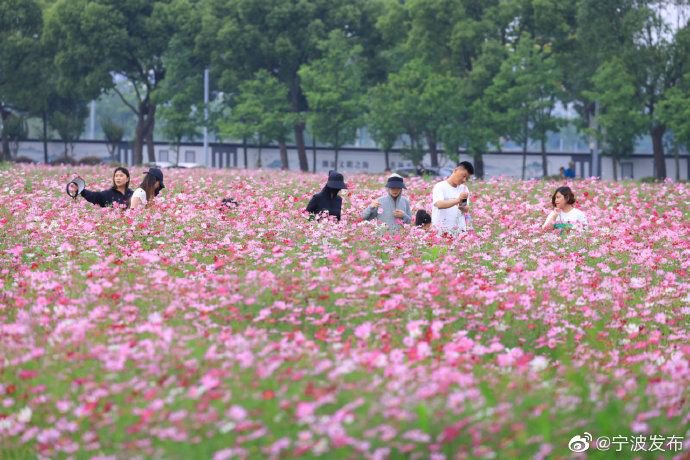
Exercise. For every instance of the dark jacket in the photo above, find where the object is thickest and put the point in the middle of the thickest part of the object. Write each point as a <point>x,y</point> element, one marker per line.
<point>326,200</point>
<point>107,197</point>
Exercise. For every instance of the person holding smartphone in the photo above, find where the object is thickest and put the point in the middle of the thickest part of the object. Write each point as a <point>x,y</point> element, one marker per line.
<point>451,200</point>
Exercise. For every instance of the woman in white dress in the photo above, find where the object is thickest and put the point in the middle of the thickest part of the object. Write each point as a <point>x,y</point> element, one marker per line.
<point>149,188</point>
<point>564,215</point>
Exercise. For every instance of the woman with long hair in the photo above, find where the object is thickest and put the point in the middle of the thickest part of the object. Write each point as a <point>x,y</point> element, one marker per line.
<point>149,188</point>
<point>119,193</point>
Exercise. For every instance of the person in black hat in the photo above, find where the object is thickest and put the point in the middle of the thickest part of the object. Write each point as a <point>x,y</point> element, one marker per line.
<point>393,209</point>
<point>149,188</point>
<point>327,200</point>
<point>119,193</point>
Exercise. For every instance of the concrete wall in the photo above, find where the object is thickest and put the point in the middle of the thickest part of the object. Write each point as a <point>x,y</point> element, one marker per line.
<point>360,160</point>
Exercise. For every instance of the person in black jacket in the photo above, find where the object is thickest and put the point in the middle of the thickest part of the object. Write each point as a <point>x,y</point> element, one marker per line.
<point>119,193</point>
<point>327,200</point>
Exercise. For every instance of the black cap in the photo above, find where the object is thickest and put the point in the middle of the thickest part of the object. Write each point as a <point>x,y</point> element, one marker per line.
<point>158,174</point>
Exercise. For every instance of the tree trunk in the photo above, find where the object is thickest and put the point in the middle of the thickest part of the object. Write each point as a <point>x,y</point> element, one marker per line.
<point>144,132</point>
<point>283,156</point>
<point>524,159</point>
<point>301,152</point>
<point>544,166</point>
<point>45,136</point>
<point>385,153</point>
<point>433,151</point>
<point>524,148</point>
<point>6,114</point>
<point>151,123</point>
<point>657,134</point>
<point>478,165</point>
<point>138,154</point>
<point>313,146</point>
<point>258,157</point>
<point>244,148</point>
<point>296,98</point>
<point>676,160</point>
<point>614,161</point>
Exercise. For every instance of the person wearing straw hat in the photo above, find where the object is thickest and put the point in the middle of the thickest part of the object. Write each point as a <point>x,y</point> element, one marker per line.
<point>327,200</point>
<point>393,209</point>
<point>150,187</point>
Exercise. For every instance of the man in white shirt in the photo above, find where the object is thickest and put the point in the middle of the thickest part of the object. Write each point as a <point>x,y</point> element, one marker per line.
<point>451,200</point>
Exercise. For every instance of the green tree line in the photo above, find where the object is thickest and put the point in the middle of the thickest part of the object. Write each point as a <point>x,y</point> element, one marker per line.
<point>435,75</point>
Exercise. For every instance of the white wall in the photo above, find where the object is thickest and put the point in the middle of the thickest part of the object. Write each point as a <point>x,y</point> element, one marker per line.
<point>373,161</point>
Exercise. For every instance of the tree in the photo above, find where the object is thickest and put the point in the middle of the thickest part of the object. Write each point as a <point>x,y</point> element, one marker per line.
<point>278,36</point>
<point>181,95</point>
<point>113,133</point>
<point>21,23</point>
<point>478,123</point>
<point>674,111</point>
<point>180,122</point>
<point>654,54</point>
<point>260,110</point>
<point>525,90</point>
<point>620,118</point>
<point>657,58</point>
<point>96,39</point>
<point>449,38</point>
<point>382,119</point>
<point>15,129</point>
<point>68,121</point>
<point>421,103</point>
<point>333,86</point>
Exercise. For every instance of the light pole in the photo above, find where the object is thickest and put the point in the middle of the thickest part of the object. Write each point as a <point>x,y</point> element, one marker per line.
<point>206,162</point>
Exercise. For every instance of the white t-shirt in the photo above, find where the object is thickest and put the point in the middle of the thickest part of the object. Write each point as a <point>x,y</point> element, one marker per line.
<point>574,216</point>
<point>141,194</point>
<point>450,219</point>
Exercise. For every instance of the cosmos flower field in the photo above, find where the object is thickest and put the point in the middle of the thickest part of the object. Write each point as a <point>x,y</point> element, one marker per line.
<point>189,330</point>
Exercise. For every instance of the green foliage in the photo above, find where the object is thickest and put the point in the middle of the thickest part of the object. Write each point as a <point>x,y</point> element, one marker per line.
<point>620,116</point>
<point>68,121</point>
<point>457,74</point>
<point>279,37</point>
<point>259,111</point>
<point>113,133</point>
<point>674,110</point>
<point>381,117</point>
<point>15,128</point>
<point>525,92</point>
<point>93,40</point>
<point>333,86</point>
<point>20,29</point>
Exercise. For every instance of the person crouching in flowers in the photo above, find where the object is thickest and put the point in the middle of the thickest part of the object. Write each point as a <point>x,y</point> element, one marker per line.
<point>393,209</point>
<point>423,219</point>
<point>564,216</point>
<point>149,188</point>
<point>327,200</point>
